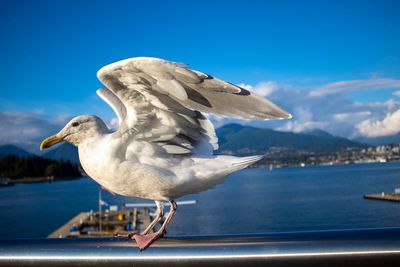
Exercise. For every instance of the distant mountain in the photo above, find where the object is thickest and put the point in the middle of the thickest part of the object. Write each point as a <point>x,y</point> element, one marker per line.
<point>226,131</point>
<point>65,152</point>
<point>234,139</point>
<point>383,140</point>
<point>318,132</point>
<point>13,150</point>
<point>243,140</point>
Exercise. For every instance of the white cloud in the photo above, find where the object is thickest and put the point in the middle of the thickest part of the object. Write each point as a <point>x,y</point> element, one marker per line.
<point>263,88</point>
<point>301,126</point>
<point>28,129</point>
<point>113,123</point>
<point>397,93</point>
<point>351,116</point>
<point>334,113</point>
<point>386,105</point>
<point>303,121</point>
<point>25,129</point>
<point>373,128</point>
<point>355,85</point>
<point>391,104</point>
<point>62,119</point>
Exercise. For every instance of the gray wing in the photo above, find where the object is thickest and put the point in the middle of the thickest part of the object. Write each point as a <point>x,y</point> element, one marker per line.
<point>161,101</point>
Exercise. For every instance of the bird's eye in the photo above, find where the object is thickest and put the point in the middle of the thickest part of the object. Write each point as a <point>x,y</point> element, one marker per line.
<point>75,124</point>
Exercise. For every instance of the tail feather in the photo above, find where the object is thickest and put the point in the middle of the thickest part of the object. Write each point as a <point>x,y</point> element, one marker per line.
<point>220,166</point>
<point>247,161</point>
<point>209,172</point>
<point>238,163</point>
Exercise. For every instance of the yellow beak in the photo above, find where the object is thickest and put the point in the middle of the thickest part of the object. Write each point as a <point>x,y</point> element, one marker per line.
<point>51,140</point>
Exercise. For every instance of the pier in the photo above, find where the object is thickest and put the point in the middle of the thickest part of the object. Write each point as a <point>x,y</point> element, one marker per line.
<point>104,224</point>
<point>395,197</point>
<point>131,217</point>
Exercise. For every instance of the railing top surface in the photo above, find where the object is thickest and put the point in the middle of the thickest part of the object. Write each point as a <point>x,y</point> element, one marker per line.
<point>337,247</point>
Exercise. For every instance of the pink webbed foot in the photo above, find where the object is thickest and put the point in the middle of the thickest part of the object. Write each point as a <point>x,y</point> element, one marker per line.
<point>144,241</point>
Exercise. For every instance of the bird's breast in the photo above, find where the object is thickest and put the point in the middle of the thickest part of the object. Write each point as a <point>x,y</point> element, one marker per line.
<point>107,164</point>
<point>99,159</point>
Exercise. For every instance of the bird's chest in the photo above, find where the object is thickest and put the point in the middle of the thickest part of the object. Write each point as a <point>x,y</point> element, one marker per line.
<point>132,170</point>
<point>99,159</point>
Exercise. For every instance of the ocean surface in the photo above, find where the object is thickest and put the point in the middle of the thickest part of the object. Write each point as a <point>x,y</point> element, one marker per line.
<point>251,201</point>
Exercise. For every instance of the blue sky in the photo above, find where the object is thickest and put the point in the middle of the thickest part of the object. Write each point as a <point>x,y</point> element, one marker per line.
<point>51,50</point>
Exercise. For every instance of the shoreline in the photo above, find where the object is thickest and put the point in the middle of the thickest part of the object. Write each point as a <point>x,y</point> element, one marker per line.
<point>41,179</point>
<point>4,182</point>
<point>322,164</point>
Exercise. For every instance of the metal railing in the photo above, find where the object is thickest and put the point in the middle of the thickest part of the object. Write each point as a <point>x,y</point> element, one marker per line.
<point>368,247</point>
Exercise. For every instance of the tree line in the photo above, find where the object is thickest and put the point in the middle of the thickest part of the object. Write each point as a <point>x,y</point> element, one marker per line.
<point>15,167</point>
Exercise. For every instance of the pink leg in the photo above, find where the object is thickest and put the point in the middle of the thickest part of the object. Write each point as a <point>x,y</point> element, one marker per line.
<point>145,241</point>
<point>160,214</point>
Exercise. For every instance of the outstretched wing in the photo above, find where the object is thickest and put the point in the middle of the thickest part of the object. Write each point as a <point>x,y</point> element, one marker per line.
<point>161,101</point>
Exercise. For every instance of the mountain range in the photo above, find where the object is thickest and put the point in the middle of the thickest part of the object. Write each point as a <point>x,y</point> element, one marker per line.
<point>234,139</point>
<point>13,150</point>
<point>64,152</point>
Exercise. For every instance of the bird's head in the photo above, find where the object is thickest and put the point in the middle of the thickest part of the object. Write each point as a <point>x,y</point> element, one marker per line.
<point>76,130</point>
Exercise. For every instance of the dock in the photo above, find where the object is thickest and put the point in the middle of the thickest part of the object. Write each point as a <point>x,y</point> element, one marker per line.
<point>395,197</point>
<point>131,217</point>
<point>104,224</point>
<point>63,231</point>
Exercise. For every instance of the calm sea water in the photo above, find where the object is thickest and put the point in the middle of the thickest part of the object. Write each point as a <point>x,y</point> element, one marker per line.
<point>250,201</point>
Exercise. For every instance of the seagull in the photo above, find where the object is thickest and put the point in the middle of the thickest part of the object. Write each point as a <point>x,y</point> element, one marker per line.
<point>163,147</point>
